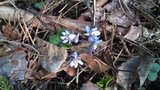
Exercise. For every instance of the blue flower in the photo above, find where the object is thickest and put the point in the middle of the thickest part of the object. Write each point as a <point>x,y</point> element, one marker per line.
<point>93,38</point>
<point>75,60</point>
<point>93,46</point>
<point>92,32</point>
<point>68,37</point>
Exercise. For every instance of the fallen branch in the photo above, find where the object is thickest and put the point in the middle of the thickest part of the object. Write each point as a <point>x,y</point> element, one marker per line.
<point>10,13</point>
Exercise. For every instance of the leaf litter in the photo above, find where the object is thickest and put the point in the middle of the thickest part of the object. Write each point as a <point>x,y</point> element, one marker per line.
<point>34,53</point>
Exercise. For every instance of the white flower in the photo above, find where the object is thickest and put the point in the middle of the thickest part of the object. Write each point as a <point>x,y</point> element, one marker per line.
<point>75,60</point>
<point>69,37</point>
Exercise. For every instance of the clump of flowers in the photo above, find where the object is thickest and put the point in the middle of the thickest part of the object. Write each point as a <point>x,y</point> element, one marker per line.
<point>75,60</point>
<point>93,37</point>
<point>68,37</point>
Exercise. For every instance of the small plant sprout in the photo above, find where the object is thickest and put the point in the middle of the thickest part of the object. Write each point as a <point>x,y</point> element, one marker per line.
<point>93,38</point>
<point>75,60</point>
<point>68,37</point>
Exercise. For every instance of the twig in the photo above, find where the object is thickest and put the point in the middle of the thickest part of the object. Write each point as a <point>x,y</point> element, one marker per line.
<point>117,58</point>
<point>27,45</point>
<point>74,25</point>
<point>125,46</point>
<point>76,76</point>
<point>123,7</point>
<point>146,15</point>
<point>4,2</point>
<point>25,26</point>
<point>94,13</point>
<point>72,7</point>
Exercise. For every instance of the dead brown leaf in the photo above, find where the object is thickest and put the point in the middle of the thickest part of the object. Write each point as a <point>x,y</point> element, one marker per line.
<point>119,30</point>
<point>89,86</point>
<point>94,63</point>
<point>9,33</point>
<point>138,66</point>
<point>118,17</point>
<point>52,56</point>
<point>133,33</point>
<point>81,48</point>
<point>70,71</point>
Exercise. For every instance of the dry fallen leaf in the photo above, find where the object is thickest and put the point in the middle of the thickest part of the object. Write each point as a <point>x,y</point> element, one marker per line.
<point>94,63</point>
<point>133,33</point>
<point>34,72</point>
<point>70,71</point>
<point>118,17</point>
<point>119,30</point>
<point>89,86</point>
<point>81,48</point>
<point>9,33</point>
<point>52,56</point>
<point>129,71</point>
<point>14,65</point>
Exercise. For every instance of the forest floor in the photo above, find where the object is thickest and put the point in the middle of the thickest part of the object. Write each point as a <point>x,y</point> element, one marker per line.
<point>79,44</point>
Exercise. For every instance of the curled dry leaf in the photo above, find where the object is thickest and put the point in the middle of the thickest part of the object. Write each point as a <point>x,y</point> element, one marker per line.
<point>14,65</point>
<point>52,56</point>
<point>119,30</point>
<point>129,71</point>
<point>9,33</point>
<point>94,63</point>
<point>133,33</point>
<point>118,17</point>
<point>70,71</point>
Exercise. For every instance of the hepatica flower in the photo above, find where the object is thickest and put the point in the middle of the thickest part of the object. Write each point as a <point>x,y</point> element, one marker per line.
<point>75,60</point>
<point>93,37</point>
<point>92,32</point>
<point>68,37</point>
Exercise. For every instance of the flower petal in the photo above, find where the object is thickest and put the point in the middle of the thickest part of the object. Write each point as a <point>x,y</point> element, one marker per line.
<point>87,34</point>
<point>88,29</point>
<point>94,46</point>
<point>63,33</point>
<point>63,37</point>
<point>67,32</point>
<point>80,62</point>
<point>71,36</point>
<point>99,41</point>
<point>95,33</point>
<point>71,64</point>
<point>75,65</point>
<point>94,29</point>
<point>74,54</point>
<point>76,39</point>
<point>65,41</point>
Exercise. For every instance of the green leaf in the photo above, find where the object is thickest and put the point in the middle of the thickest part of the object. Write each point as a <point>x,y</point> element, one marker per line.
<point>152,76</point>
<point>142,88</point>
<point>59,32</point>
<point>155,68</point>
<point>109,80</point>
<point>103,83</point>
<point>39,5</point>
<point>55,39</point>
<point>66,45</point>
<point>4,84</point>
